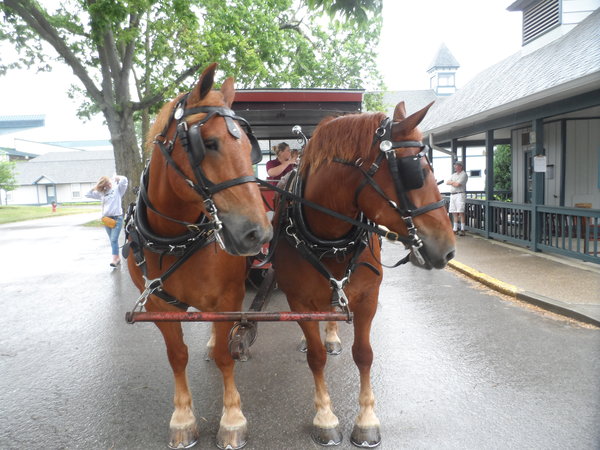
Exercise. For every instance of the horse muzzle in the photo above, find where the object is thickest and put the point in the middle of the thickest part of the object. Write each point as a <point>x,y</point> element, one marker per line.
<point>242,236</point>
<point>433,255</point>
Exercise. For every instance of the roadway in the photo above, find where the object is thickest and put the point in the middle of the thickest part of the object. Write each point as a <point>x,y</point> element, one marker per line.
<point>457,366</point>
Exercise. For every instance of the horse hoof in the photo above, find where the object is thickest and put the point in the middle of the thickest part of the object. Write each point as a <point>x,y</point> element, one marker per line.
<point>302,346</point>
<point>327,437</point>
<point>184,437</point>
<point>232,439</point>
<point>333,348</point>
<point>368,437</point>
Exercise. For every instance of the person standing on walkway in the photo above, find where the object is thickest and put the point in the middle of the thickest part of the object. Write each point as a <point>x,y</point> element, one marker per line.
<point>458,196</point>
<point>110,193</point>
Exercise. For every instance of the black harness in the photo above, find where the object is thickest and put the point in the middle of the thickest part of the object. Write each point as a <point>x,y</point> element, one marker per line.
<point>407,175</point>
<point>204,231</point>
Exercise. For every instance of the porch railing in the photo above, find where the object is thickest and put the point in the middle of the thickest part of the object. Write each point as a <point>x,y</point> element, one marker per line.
<point>573,232</point>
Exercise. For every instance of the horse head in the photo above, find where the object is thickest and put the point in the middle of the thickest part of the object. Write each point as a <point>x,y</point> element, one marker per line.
<point>205,167</point>
<point>415,204</point>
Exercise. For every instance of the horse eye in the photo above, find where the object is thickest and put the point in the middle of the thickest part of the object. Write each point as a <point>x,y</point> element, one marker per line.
<point>211,144</point>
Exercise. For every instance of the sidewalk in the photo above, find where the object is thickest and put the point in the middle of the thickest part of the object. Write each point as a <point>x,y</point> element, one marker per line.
<point>559,284</point>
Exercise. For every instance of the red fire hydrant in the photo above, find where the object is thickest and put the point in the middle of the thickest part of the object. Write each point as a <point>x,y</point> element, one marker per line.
<point>53,206</point>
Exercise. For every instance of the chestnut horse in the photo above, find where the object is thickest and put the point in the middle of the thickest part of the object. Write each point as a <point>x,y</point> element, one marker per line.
<point>323,262</point>
<point>198,215</point>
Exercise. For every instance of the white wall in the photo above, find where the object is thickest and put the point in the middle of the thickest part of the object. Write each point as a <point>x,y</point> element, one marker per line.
<point>36,194</point>
<point>583,164</point>
<point>442,167</point>
<point>572,13</point>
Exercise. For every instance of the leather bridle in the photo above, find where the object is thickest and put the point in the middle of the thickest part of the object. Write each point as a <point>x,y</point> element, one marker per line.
<point>199,234</point>
<point>194,146</point>
<point>402,184</point>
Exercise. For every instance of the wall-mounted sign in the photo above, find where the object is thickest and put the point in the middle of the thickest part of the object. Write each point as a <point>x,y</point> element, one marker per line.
<point>539,164</point>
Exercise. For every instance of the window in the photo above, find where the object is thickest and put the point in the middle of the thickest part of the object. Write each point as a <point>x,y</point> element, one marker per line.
<point>540,18</point>
<point>75,190</point>
<point>446,79</point>
<point>475,173</point>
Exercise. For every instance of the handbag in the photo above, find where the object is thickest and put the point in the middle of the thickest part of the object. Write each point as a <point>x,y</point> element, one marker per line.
<point>109,222</point>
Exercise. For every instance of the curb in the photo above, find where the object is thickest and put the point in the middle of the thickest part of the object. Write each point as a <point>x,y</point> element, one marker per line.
<point>549,304</point>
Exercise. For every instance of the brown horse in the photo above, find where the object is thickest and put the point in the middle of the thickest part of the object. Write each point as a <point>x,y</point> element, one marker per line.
<point>323,262</point>
<point>198,195</point>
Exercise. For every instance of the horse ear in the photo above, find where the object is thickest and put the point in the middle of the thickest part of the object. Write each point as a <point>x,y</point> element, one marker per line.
<point>399,112</point>
<point>411,122</point>
<point>204,85</point>
<point>228,91</point>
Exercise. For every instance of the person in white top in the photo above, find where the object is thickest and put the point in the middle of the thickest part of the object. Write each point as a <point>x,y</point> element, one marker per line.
<point>458,195</point>
<point>110,193</point>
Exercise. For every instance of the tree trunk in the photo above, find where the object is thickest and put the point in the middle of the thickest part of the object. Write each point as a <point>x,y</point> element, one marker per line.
<point>128,161</point>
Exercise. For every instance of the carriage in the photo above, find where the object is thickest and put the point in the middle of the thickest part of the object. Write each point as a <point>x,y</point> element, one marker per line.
<point>200,215</point>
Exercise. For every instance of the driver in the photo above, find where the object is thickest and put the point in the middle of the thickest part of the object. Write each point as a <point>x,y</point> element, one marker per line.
<point>283,164</point>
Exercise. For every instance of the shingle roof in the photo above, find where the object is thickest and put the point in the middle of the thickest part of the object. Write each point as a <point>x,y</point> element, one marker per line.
<point>443,58</point>
<point>22,121</point>
<point>66,167</point>
<point>13,152</point>
<point>570,58</point>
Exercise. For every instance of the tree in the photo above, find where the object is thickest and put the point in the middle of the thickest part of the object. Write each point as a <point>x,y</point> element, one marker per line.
<point>129,56</point>
<point>8,181</point>
<point>503,168</point>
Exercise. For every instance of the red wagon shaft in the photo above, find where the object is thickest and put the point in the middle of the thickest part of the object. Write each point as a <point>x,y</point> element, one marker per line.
<point>252,316</point>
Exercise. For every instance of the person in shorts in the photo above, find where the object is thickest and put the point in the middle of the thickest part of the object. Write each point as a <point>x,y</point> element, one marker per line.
<point>458,196</point>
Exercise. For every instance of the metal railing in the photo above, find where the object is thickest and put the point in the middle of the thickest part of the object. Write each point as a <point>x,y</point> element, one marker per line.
<point>573,232</point>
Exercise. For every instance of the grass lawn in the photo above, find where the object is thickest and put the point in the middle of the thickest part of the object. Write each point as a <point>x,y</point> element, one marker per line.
<point>19,213</point>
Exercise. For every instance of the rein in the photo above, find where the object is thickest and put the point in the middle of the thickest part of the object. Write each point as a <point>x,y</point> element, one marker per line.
<point>207,228</point>
<point>193,144</point>
<point>314,249</point>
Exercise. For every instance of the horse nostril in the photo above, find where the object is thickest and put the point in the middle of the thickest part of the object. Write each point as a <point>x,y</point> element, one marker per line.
<point>252,236</point>
<point>449,256</point>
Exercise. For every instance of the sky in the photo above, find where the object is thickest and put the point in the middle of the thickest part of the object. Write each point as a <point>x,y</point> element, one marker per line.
<point>478,33</point>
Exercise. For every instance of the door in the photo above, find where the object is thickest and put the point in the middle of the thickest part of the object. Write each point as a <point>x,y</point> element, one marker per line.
<point>50,193</point>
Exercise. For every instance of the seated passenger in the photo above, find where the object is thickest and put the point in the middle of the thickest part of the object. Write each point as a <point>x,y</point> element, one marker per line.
<point>283,164</point>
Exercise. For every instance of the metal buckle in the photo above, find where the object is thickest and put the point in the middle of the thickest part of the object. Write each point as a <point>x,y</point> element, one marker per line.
<point>417,253</point>
<point>149,287</point>
<point>389,233</point>
<point>339,296</point>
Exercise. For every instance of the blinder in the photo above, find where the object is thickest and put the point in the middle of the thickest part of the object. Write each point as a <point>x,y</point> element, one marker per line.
<point>411,172</point>
<point>197,145</point>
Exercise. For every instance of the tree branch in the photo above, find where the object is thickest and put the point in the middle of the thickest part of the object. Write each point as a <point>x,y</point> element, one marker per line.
<point>159,96</point>
<point>31,14</point>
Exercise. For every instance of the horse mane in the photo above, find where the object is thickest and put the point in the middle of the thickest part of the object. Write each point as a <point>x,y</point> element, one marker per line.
<point>162,120</point>
<point>346,137</point>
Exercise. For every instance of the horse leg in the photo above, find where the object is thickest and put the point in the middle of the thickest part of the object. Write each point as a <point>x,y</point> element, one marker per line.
<point>333,344</point>
<point>183,428</point>
<point>233,428</point>
<point>366,432</point>
<point>325,423</point>
<point>210,345</point>
<point>302,345</point>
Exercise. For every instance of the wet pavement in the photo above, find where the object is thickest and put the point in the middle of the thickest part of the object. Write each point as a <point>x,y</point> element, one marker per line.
<point>456,365</point>
<point>557,283</point>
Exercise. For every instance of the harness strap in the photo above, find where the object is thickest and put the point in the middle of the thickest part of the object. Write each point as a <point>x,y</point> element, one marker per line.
<point>192,226</point>
<point>390,235</point>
